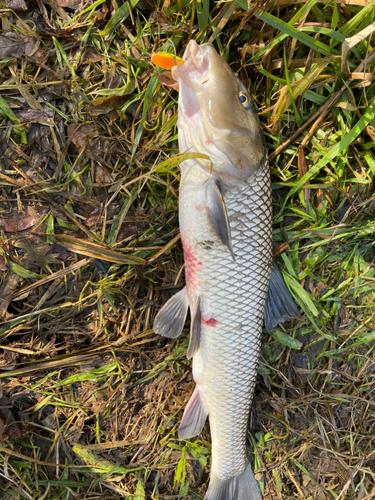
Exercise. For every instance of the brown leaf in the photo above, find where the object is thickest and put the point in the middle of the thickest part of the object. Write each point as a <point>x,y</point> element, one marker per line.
<point>167,80</point>
<point>15,45</point>
<point>18,223</point>
<point>104,105</point>
<point>102,176</point>
<point>6,291</point>
<point>128,228</point>
<point>70,4</point>
<point>100,15</point>
<point>93,218</point>
<point>13,432</point>
<point>59,250</point>
<point>93,55</point>
<point>9,430</point>
<point>136,54</point>
<point>34,115</point>
<point>113,79</point>
<point>158,17</point>
<point>81,134</point>
<point>16,4</point>
<point>3,266</point>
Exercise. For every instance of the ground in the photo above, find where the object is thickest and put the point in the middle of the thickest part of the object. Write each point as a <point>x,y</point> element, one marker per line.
<point>90,397</point>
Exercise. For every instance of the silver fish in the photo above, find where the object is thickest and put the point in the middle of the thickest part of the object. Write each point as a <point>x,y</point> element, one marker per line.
<point>225,222</point>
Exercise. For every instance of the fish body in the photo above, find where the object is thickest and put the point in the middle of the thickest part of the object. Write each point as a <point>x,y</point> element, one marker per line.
<point>232,296</point>
<point>225,223</point>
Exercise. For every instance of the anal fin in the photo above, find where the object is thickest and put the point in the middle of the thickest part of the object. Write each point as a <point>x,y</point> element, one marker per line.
<point>194,417</point>
<point>280,306</point>
<point>217,214</point>
<point>195,328</point>
<point>171,318</point>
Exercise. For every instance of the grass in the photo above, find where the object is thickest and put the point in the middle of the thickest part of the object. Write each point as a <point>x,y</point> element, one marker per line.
<point>91,398</point>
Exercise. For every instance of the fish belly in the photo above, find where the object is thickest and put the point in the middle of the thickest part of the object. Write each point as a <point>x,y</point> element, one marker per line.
<point>232,300</point>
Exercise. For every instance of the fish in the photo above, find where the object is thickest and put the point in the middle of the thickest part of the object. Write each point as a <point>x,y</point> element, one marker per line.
<point>232,287</point>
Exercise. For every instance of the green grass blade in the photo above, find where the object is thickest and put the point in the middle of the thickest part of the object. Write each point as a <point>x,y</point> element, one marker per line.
<point>288,30</point>
<point>349,27</point>
<point>7,111</point>
<point>203,9</point>
<point>119,16</point>
<point>338,148</point>
<point>286,339</point>
<point>150,91</point>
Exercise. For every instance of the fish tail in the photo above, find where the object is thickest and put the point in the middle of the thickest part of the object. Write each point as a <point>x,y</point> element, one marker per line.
<point>242,487</point>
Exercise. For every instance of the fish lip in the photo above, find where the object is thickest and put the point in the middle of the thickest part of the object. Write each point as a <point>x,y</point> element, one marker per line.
<point>196,61</point>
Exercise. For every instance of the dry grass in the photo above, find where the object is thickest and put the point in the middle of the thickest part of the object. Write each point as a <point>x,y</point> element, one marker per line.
<point>90,398</point>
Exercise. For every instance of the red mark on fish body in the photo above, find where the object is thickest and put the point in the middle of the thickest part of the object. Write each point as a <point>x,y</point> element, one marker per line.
<point>191,266</point>
<point>210,322</point>
<point>200,207</point>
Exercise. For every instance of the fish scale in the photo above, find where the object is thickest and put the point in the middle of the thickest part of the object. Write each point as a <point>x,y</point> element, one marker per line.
<point>234,293</point>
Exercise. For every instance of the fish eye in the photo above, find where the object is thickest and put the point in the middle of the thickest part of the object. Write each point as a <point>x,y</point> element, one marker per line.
<point>244,99</point>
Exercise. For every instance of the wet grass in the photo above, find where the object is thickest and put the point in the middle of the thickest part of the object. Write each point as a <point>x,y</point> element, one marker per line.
<point>91,398</point>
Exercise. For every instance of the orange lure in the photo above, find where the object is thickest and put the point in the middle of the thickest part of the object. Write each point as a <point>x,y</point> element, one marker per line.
<point>165,60</point>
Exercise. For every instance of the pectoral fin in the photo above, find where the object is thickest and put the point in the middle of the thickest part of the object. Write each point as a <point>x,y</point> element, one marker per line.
<point>195,329</point>
<point>171,318</point>
<point>217,214</point>
<point>280,306</point>
<point>194,417</point>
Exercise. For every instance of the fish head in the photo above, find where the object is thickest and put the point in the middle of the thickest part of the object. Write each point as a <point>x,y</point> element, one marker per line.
<point>217,116</point>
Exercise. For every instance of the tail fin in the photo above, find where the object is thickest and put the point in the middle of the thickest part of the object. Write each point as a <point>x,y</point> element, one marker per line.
<point>243,487</point>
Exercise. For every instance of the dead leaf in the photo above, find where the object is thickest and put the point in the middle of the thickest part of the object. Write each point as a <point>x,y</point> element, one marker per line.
<point>167,80</point>
<point>16,4</point>
<point>347,106</point>
<point>158,17</point>
<point>59,250</point>
<point>3,266</point>
<point>104,105</point>
<point>102,14</point>
<point>10,430</point>
<point>128,228</point>
<point>349,44</point>
<point>70,4</point>
<point>81,134</point>
<point>18,223</point>
<point>15,45</point>
<point>93,55</point>
<point>34,115</point>
<point>102,176</point>
<point>136,54</point>
<point>93,218</point>
<point>6,291</point>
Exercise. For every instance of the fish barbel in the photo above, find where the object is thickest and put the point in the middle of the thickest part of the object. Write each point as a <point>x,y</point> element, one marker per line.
<point>225,222</point>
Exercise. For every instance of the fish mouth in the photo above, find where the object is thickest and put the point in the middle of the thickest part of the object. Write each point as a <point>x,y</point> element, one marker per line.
<point>194,72</point>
